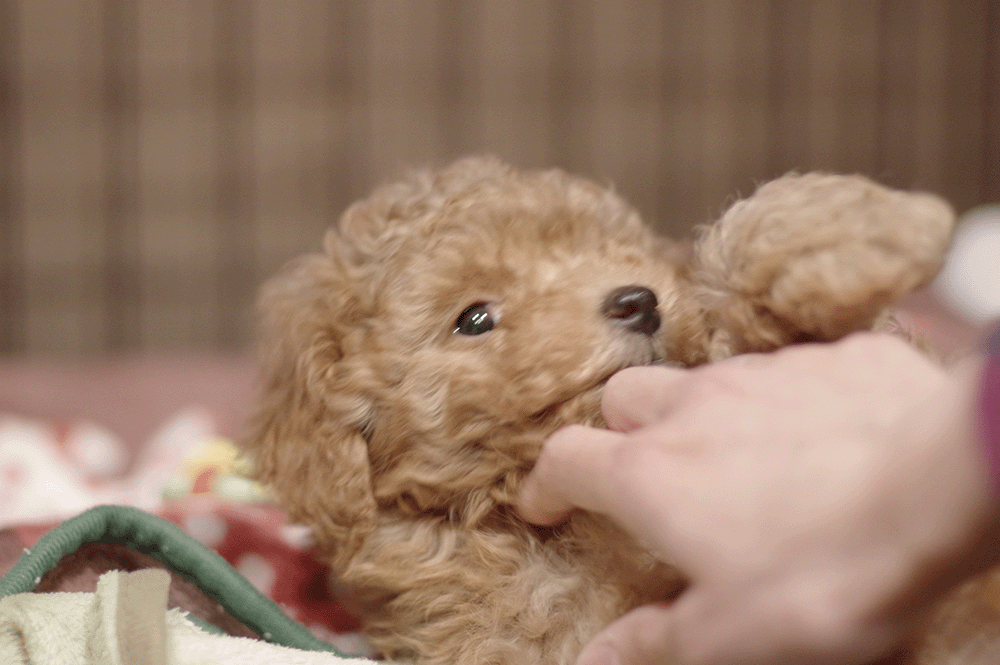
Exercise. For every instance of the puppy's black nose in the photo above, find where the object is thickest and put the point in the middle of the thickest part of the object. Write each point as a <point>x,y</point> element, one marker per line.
<point>634,307</point>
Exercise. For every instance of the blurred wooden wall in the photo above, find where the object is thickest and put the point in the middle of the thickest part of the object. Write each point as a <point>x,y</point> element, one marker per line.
<point>159,158</point>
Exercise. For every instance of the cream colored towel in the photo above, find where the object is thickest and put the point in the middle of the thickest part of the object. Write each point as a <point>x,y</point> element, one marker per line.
<point>126,622</point>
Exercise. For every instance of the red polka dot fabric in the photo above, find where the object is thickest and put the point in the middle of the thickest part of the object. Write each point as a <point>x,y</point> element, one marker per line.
<point>50,472</point>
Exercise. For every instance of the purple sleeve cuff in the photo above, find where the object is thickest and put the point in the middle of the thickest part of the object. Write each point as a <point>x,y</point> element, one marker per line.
<point>989,405</point>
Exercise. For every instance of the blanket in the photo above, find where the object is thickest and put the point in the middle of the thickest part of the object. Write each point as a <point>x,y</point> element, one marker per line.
<point>126,622</point>
<point>127,619</point>
<point>193,507</point>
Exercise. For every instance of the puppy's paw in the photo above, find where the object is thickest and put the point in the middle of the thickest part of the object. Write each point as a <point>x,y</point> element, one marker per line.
<point>814,257</point>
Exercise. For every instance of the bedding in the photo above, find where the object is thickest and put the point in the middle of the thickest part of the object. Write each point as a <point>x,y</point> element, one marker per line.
<point>130,611</point>
<point>184,472</point>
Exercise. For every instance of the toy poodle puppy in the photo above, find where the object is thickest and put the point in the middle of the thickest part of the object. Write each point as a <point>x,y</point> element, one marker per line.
<point>456,318</point>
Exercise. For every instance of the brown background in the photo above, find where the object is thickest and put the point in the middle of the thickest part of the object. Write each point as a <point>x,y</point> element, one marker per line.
<point>159,158</point>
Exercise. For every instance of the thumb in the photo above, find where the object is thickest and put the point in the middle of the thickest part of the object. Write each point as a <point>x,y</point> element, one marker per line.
<point>639,396</point>
<point>644,636</point>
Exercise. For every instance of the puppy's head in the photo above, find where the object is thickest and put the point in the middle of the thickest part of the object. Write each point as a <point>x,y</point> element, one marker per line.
<point>454,320</point>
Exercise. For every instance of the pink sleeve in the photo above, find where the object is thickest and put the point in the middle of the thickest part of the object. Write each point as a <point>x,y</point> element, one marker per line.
<point>989,405</point>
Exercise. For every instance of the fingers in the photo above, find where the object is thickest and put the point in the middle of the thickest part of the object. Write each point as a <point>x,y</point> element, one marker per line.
<point>688,632</point>
<point>570,473</point>
<point>694,630</point>
<point>684,632</point>
<point>638,396</point>
<point>644,636</point>
<point>574,466</point>
<point>681,632</point>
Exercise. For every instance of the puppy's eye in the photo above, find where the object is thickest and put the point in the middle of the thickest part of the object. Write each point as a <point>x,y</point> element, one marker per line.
<point>475,320</point>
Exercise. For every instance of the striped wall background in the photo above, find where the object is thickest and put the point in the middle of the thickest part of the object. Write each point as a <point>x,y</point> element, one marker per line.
<point>158,158</point>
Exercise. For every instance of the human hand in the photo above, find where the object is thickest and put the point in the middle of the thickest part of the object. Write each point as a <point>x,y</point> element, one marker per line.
<point>819,499</point>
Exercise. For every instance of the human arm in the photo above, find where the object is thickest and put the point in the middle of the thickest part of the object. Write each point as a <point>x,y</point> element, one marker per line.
<point>820,499</point>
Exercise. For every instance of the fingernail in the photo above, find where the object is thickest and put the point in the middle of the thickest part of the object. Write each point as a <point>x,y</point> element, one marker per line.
<point>602,653</point>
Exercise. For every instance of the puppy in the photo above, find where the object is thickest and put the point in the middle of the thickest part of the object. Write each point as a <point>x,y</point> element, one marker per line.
<point>456,318</point>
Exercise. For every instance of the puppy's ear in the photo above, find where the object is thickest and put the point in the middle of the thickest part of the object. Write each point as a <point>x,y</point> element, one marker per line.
<point>813,257</point>
<point>305,438</point>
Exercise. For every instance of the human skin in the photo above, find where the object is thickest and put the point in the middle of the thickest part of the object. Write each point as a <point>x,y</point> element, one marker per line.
<point>820,499</point>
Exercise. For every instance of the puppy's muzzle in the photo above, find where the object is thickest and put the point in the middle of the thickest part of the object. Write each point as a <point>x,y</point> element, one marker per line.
<point>633,307</point>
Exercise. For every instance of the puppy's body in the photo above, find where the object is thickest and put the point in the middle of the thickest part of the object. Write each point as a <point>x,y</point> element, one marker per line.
<point>459,317</point>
